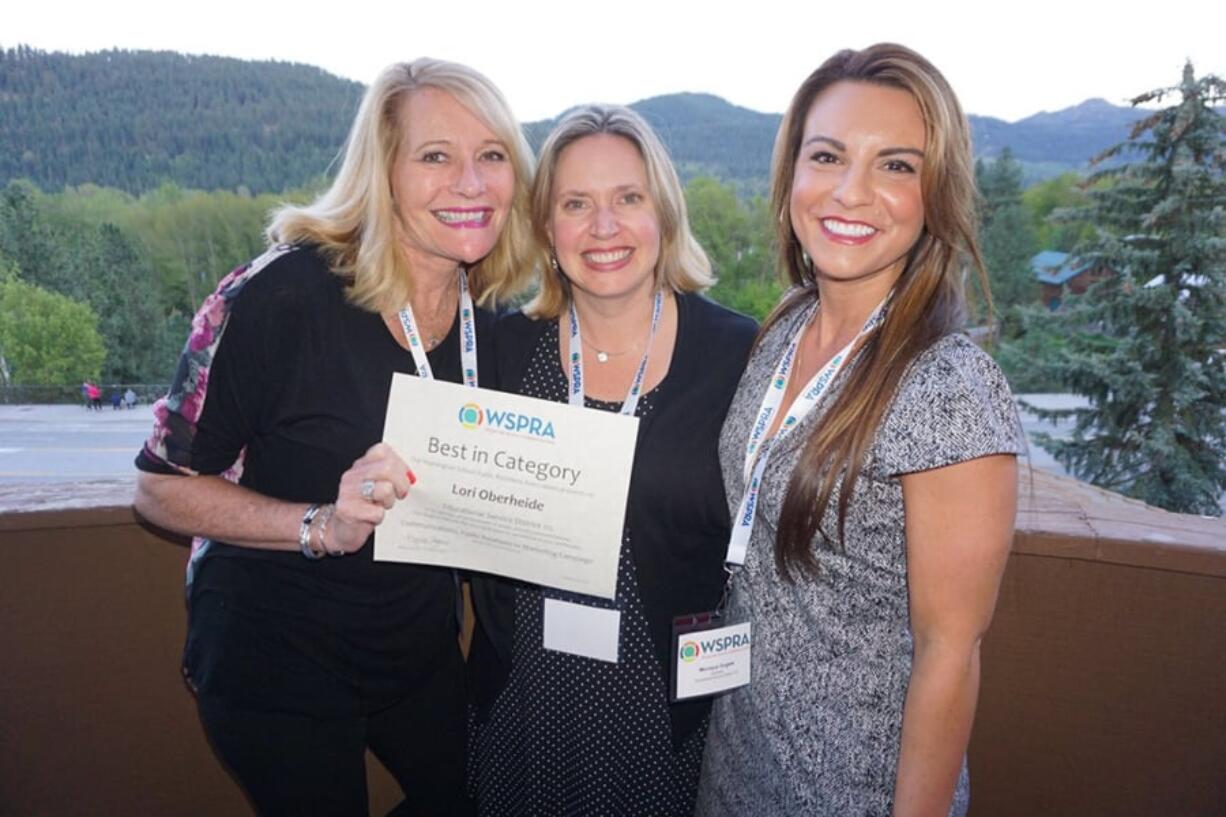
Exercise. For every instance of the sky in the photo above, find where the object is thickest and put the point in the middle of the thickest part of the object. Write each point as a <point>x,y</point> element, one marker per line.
<point>1009,61</point>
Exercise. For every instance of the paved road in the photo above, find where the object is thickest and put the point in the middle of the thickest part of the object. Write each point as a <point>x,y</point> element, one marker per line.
<point>40,444</point>
<point>70,443</point>
<point>1038,457</point>
<point>45,444</point>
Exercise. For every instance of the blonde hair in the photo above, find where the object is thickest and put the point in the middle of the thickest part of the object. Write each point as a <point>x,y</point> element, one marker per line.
<point>927,303</point>
<point>682,266</point>
<point>354,221</point>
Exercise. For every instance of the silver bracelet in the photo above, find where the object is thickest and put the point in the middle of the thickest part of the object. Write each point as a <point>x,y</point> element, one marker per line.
<point>304,534</point>
<point>325,516</point>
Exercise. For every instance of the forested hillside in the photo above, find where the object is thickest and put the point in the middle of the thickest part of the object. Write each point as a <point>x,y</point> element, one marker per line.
<point>706,137</point>
<point>130,182</point>
<point>135,119</point>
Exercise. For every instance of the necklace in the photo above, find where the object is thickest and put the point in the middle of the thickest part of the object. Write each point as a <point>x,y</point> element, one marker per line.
<point>603,356</point>
<point>576,359</point>
<point>468,335</point>
<point>442,314</point>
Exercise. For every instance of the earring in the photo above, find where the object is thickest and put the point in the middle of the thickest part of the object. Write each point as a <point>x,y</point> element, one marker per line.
<point>804,255</point>
<point>553,261</point>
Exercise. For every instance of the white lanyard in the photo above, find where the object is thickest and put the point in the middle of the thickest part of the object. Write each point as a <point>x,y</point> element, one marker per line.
<point>576,360</point>
<point>468,337</point>
<point>757,448</point>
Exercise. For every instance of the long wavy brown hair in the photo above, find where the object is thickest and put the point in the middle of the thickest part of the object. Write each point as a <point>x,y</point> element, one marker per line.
<point>927,301</point>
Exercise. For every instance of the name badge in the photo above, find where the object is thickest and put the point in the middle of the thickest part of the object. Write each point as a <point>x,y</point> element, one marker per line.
<point>708,658</point>
<point>581,630</point>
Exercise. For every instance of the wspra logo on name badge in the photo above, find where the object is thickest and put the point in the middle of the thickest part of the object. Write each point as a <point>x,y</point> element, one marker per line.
<point>708,659</point>
<point>690,650</point>
<point>694,650</point>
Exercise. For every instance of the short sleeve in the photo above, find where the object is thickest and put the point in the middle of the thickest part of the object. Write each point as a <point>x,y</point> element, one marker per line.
<point>236,388</point>
<point>169,449</point>
<point>953,405</point>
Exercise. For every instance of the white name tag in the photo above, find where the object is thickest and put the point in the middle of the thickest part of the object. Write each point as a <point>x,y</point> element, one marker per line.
<point>712,661</point>
<point>580,630</point>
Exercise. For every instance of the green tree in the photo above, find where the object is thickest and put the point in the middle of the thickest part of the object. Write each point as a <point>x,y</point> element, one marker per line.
<point>193,238</point>
<point>737,236</point>
<point>46,338</point>
<point>1148,345</point>
<point>1049,204</point>
<point>1006,234</point>
<point>112,276</point>
<point>27,239</point>
<point>140,263</point>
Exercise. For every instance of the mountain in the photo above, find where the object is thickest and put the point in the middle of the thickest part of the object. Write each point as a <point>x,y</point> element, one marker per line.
<point>1064,139</point>
<point>705,136</point>
<point>136,119</point>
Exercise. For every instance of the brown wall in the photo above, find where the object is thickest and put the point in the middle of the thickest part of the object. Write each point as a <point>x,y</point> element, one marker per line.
<point>1103,693</point>
<point>94,715</point>
<point>1103,682</point>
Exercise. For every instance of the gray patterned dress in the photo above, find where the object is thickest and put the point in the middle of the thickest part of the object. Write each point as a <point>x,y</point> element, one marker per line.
<point>817,731</point>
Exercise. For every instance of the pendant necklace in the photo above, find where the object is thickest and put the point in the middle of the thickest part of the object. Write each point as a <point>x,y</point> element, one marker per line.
<point>603,357</point>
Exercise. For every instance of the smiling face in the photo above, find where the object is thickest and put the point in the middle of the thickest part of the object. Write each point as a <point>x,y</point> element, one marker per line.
<point>452,182</point>
<point>603,221</point>
<point>856,204</point>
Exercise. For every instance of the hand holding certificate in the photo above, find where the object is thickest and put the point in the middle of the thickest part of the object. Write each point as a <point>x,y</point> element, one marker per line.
<point>511,485</point>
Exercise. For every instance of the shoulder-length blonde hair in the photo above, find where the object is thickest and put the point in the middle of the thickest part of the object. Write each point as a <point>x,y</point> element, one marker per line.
<point>683,265</point>
<point>354,222</point>
<point>927,303</point>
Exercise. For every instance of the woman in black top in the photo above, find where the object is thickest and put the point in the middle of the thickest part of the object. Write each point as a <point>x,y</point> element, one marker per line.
<point>301,661</point>
<point>564,733</point>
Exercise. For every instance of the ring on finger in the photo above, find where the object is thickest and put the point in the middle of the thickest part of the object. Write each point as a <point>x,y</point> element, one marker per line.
<point>368,490</point>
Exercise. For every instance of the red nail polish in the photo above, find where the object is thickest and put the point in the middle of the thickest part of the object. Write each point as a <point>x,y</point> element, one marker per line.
<point>412,478</point>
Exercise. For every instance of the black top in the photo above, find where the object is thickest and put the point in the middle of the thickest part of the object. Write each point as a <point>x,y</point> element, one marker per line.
<point>301,379</point>
<point>676,514</point>
<point>537,753</point>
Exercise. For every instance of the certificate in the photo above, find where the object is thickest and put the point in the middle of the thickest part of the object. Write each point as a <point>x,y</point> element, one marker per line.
<point>512,485</point>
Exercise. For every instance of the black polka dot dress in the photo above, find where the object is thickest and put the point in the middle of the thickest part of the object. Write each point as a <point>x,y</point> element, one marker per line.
<point>571,735</point>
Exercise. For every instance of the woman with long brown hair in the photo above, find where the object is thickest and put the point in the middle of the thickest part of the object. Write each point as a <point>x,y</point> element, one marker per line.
<point>870,459</point>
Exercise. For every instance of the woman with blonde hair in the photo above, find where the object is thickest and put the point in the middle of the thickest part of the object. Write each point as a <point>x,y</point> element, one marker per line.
<point>301,649</point>
<point>618,325</point>
<point>871,452</point>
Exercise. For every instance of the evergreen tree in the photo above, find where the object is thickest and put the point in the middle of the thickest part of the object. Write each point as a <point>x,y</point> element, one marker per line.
<point>118,284</point>
<point>26,238</point>
<point>1148,345</point>
<point>1006,235</point>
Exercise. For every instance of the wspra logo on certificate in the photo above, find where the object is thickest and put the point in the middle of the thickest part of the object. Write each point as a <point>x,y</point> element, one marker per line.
<point>472,415</point>
<point>690,650</point>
